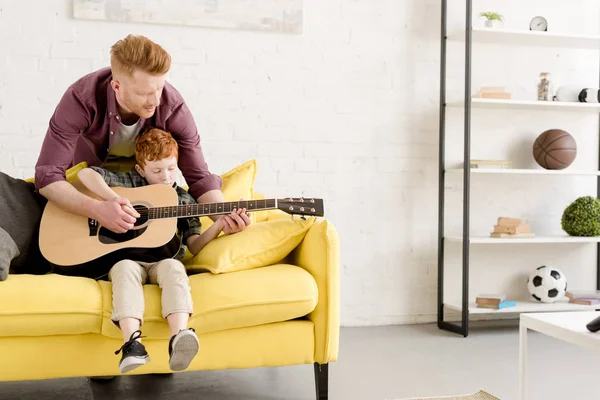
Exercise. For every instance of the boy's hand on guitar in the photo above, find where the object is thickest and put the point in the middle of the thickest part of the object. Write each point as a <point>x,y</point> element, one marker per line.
<point>117,214</point>
<point>235,222</point>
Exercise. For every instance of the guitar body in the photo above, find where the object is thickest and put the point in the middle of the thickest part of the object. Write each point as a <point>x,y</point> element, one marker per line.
<point>77,245</point>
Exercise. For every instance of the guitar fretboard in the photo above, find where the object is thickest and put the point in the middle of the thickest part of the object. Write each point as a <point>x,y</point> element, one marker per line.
<point>198,210</point>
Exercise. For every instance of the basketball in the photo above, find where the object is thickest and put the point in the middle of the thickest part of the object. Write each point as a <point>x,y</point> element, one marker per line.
<point>554,149</point>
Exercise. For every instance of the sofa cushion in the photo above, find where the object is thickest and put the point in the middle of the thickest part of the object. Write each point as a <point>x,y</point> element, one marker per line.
<point>42,305</point>
<point>238,183</point>
<point>258,245</point>
<point>248,298</point>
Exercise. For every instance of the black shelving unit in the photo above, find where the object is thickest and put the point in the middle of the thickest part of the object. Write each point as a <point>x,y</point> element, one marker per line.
<point>463,327</point>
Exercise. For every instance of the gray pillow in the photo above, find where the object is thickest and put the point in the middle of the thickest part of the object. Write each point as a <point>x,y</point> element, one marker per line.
<point>20,213</point>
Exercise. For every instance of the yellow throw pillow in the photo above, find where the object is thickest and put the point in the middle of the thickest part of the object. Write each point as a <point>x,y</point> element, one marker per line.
<point>238,183</point>
<point>259,245</point>
<point>71,173</point>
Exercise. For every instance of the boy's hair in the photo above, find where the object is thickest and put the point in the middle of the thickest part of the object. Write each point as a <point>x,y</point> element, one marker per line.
<point>139,52</point>
<point>153,145</point>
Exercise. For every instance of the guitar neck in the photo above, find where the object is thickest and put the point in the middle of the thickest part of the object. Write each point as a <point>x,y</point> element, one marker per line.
<point>205,209</point>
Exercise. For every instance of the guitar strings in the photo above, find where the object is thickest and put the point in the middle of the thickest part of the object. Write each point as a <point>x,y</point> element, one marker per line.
<point>207,208</point>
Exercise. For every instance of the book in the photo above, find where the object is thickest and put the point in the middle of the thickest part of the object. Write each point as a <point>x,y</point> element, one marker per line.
<point>499,306</point>
<point>584,301</point>
<point>512,235</point>
<point>492,92</point>
<point>492,89</point>
<point>490,298</point>
<point>502,164</point>
<point>523,228</point>
<point>504,96</point>
<point>509,221</point>
<point>583,294</point>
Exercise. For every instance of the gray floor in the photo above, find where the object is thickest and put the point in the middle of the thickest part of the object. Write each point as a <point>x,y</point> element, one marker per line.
<point>374,363</point>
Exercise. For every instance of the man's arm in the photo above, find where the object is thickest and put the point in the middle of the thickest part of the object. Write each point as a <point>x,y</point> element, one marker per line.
<point>203,185</point>
<point>112,204</point>
<point>70,199</point>
<point>71,117</point>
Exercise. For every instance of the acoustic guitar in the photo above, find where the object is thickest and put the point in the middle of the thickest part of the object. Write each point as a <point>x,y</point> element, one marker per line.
<point>77,245</point>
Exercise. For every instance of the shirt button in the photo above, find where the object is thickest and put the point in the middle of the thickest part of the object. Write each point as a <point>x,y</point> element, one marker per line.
<point>112,133</point>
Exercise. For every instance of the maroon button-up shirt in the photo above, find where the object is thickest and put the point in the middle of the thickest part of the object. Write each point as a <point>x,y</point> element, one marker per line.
<point>86,120</point>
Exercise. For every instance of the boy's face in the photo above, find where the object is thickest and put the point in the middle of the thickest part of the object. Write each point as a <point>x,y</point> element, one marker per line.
<point>161,171</point>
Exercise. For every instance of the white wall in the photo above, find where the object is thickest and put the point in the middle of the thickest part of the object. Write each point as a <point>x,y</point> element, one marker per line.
<point>348,111</point>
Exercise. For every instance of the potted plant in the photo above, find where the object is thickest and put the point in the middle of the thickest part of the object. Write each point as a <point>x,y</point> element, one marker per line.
<point>492,19</point>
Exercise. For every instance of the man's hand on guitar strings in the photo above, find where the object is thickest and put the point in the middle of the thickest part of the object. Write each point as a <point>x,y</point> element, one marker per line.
<point>117,214</point>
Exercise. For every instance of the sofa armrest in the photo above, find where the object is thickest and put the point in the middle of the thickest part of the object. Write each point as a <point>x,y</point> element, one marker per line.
<point>318,253</point>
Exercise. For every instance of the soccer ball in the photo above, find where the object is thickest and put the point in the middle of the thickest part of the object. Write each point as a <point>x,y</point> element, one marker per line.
<point>547,284</point>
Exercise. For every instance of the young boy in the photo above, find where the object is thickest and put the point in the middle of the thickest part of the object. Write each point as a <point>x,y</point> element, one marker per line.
<point>156,155</point>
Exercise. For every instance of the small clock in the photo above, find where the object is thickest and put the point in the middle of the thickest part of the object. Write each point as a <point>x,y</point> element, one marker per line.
<point>538,24</point>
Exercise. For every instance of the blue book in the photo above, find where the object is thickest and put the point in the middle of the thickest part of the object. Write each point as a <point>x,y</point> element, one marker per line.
<point>507,303</point>
<point>502,304</point>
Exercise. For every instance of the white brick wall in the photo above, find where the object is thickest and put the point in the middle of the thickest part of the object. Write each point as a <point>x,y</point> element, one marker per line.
<point>347,111</point>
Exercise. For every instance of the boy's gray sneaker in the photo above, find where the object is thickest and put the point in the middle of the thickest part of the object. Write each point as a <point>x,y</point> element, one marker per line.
<point>134,354</point>
<point>183,347</point>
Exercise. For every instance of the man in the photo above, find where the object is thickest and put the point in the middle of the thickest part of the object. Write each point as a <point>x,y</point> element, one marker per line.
<point>97,121</point>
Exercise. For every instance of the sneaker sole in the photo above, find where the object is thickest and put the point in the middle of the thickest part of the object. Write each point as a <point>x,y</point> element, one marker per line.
<point>185,349</point>
<point>131,363</point>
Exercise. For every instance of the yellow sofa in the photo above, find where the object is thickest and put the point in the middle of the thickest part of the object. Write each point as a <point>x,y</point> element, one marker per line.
<point>282,313</point>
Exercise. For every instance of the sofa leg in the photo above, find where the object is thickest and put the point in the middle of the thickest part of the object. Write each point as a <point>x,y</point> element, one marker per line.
<point>322,380</point>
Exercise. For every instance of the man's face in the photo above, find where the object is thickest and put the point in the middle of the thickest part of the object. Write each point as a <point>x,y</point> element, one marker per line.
<point>139,93</point>
<point>161,171</point>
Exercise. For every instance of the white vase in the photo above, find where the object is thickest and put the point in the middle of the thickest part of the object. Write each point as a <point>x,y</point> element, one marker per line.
<point>491,23</point>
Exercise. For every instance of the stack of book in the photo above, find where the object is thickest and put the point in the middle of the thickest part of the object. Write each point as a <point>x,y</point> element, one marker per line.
<point>494,301</point>
<point>508,227</point>
<point>492,92</point>
<point>586,298</point>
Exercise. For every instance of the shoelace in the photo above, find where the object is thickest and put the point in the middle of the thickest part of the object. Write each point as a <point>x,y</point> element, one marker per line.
<point>134,336</point>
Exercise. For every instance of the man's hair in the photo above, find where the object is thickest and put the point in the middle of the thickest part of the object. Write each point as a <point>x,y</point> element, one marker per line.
<point>153,145</point>
<point>139,52</point>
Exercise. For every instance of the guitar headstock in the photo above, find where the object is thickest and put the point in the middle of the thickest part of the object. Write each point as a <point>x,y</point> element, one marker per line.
<point>302,206</point>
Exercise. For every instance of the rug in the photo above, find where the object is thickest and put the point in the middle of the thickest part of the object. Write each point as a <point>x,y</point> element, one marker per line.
<point>481,395</point>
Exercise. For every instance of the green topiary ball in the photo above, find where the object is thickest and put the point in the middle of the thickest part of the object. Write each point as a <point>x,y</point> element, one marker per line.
<point>582,217</point>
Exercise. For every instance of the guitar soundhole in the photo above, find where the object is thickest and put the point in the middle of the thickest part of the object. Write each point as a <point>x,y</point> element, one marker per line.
<point>109,237</point>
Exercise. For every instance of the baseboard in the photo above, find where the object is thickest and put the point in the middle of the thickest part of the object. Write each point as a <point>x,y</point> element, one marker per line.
<point>390,320</point>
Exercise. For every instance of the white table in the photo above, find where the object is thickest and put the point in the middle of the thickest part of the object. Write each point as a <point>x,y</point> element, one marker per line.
<point>566,326</point>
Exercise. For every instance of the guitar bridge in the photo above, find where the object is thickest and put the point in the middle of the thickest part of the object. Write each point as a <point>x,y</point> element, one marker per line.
<point>93,225</point>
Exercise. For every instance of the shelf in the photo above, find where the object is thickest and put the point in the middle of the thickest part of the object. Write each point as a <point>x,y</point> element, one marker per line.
<point>514,171</point>
<point>530,105</point>
<point>529,38</point>
<point>526,306</point>
<point>536,239</point>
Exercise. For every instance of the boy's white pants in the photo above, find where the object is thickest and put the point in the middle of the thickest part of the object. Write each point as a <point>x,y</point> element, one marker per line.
<point>128,278</point>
